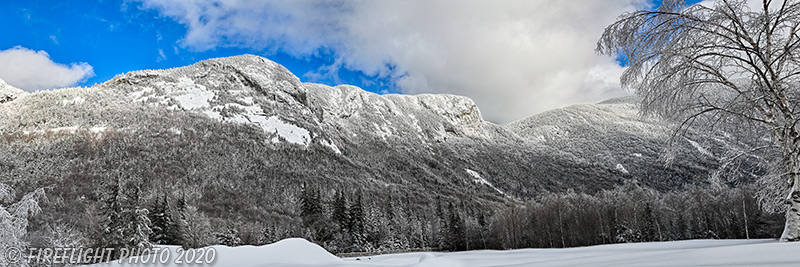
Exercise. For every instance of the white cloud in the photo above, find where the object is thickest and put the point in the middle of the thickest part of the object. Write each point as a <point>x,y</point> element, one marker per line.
<point>32,70</point>
<point>161,55</point>
<point>515,57</point>
<point>754,5</point>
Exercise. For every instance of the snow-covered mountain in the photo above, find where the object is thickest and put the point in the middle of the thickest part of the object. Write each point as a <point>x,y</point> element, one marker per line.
<point>254,91</point>
<point>239,136</point>
<point>614,135</point>
<point>8,92</point>
<point>442,137</point>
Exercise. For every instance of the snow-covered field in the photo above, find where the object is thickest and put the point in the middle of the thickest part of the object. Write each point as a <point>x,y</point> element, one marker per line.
<point>298,252</point>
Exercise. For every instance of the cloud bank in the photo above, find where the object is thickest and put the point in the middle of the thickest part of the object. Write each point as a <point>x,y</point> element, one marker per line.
<point>32,70</point>
<point>514,58</point>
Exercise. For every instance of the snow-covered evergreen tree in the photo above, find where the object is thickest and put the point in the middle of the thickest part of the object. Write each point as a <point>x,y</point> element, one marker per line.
<point>455,238</point>
<point>165,226</point>
<point>112,232</point>
<point>195,227</point>
<point>229,236</point>
<point>125,222</point>
<point>311,206</point>
<point>355,216</point>
<point>339,210</point>
<point>318,226</point>
<point>137,227</point>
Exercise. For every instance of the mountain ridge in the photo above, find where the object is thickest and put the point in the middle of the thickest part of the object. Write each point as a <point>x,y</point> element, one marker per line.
<point>253,91</point>
<point>241,138</point>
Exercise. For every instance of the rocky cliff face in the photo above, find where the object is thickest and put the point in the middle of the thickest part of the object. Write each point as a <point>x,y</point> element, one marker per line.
<point>255,91</point>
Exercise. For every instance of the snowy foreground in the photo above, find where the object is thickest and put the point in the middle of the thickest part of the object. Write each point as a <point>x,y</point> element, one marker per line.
<point>299,252</point>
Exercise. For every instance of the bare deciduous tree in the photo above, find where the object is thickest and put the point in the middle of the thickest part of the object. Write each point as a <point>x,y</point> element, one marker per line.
<point>14,222</point>
<point>722,65</point>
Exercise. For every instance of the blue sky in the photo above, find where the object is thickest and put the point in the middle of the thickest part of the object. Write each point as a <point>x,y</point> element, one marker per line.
<point>515,58</point>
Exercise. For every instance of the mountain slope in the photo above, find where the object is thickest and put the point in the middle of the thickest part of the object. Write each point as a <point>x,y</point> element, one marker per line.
<point>240,137</point>
<point>439,136</point>
<point>8,92</point>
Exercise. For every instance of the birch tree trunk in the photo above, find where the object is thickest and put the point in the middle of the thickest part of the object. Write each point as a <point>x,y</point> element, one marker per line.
<point>791,231</point>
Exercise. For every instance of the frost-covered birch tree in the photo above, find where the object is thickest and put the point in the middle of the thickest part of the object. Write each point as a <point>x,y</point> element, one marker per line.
<point>14,220</point>
<point>726,65</point>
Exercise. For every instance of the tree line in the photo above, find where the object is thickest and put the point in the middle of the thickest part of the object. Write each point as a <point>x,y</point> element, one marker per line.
<point>344,220</point>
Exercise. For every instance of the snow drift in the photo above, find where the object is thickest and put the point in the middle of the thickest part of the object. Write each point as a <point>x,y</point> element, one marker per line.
<point>287,252</point>
<point>299,252</point>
